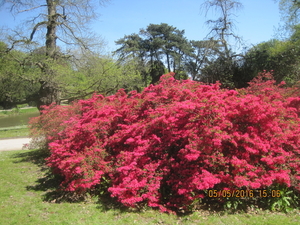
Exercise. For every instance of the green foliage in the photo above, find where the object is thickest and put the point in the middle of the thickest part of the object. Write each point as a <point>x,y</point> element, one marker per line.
<point>285,202</point>
<point>281,57</point>
<point>101,74</point>
<point>221,69</point>
<point>203,54</point>
<point>154,46</point>
<point>59,20</point>
<point>289,10</point>
<point>233,204</point>
<point>15,78</point>
<point>22,80</point>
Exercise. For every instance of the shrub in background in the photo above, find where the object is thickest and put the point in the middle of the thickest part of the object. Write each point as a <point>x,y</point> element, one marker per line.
<point>166,146</point>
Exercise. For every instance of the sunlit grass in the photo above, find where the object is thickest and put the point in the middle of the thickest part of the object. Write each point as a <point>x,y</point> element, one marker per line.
<point>27,196</point>
<point>17,111</point>
<point>14,132</point>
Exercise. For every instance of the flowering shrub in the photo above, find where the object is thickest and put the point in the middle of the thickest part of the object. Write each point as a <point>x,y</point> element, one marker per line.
<point>167,145</point>
<point>46,128</point>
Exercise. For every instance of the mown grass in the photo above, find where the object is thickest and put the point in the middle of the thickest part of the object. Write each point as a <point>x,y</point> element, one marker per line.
<point>14,132</point>
<point>28,196</point>
<point>17,111</point>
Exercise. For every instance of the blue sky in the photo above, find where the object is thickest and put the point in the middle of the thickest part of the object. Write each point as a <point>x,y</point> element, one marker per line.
<point>255,22</point>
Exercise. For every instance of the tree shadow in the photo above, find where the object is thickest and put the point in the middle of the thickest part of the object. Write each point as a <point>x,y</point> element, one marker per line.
<point>49,184</point>
<point>33,156</point>
<point>107,203</point>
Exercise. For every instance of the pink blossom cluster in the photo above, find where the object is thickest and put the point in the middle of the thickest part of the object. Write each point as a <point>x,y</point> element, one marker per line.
<point>165,146</point>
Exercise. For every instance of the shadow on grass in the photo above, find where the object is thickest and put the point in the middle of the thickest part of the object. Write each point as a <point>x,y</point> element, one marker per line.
<point>106,203</point>
<point>33,156</point>
<point>49,183</point>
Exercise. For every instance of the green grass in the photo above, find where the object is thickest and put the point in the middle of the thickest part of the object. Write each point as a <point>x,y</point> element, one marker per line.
<point>14,132</point>
<point>17,111</point>
<point>27,196</point>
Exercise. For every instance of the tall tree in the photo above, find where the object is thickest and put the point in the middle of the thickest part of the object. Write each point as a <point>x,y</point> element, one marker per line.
<point>154,47</point>
<point>290,11</point>
<point>203,54</point>
<point>222,31</point>
<point>133,48</point>
<point>166,42</point>
<point>66,21</point>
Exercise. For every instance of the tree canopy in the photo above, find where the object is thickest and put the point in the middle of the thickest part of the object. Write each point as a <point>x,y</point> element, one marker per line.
<point>154,47</point>
<point>63,21</point>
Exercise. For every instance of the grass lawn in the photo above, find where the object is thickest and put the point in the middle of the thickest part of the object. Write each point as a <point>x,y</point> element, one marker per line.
<point>27,196</point>
<point>14,132</point>
<point>17,111</point>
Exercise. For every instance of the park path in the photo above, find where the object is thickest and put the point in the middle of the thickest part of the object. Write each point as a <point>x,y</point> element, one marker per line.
<point>13,144</point>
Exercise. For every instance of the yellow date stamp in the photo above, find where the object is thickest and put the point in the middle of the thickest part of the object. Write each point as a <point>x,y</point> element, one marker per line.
<point>257,193</point>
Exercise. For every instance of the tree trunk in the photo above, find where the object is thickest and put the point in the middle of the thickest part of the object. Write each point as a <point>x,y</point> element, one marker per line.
<point>51,29</point>
<point>168,62</point>
<point>49,92</point>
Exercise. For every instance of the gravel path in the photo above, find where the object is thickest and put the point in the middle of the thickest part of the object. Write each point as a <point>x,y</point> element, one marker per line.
<point>13,144</point>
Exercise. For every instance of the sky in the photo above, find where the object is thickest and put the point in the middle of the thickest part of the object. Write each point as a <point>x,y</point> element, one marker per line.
<point>256,22</point>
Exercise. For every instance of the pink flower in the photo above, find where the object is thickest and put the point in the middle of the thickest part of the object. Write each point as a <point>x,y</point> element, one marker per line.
<point>129,140</point>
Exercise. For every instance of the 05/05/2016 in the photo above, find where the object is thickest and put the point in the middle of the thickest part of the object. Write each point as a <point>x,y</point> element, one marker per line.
<point>261,193</point>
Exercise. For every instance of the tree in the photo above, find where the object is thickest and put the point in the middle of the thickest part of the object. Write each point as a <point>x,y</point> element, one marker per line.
<point>15,85</point>
<point>202,54</point>
<point>290,11</point>
<point>101,74</point>
<point>222,30</point>
<point>157,69</point>
<point>282,57</point>
<point>167,42</point>
<point>154,47</point>
<point>55,20</point>
<point>133,48</point>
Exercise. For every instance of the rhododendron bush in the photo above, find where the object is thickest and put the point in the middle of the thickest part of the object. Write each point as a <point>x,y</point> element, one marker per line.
<point>167,145</point>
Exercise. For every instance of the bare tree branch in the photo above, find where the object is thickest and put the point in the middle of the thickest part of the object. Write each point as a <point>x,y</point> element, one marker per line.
<point>35,7</point>
<point>36,27</point>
